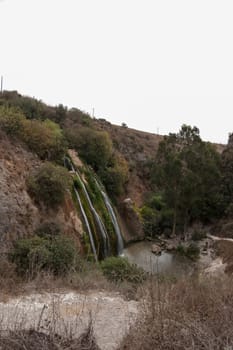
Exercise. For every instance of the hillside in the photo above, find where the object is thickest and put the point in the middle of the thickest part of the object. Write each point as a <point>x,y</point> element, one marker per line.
<point>74,192</point>
<point>20,216</point>
<point>126,172</point>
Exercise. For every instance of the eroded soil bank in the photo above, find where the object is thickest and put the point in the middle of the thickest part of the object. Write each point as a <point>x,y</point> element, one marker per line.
<point>69,313</point>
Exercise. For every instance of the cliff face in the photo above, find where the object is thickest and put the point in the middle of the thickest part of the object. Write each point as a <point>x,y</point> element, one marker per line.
<point>19,216</point>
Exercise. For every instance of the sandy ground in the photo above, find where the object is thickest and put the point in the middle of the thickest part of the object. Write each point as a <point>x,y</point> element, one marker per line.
<point>69,313</point>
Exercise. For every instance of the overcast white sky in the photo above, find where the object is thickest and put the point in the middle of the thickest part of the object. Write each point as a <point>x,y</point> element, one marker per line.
<point>153,64</point>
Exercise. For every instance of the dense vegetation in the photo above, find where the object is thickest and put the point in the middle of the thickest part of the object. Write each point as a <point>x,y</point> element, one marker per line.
<point>48,184</point>
<point>48,250</point>
<point>188,178</point>
<point>188,182</point>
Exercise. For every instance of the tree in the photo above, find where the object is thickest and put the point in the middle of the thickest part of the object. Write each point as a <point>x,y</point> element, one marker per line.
<point>95,147</point>
<point>227,171</point>
<point>188,172</point>
<point>45,138</point>
<point>49,184</point>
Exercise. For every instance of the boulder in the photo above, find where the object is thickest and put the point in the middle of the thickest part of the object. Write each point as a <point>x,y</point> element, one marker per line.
<point>156,249</point>
<point>132,228</point>
<point>170,247</point>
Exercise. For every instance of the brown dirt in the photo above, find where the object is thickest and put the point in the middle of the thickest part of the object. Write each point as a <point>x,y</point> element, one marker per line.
<point>224,249</point>
<point>19,215</point>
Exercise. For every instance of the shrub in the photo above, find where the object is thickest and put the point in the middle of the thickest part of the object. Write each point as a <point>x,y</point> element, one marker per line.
<point>11,120</point>
<point>48,230</point>
<point>55,254</point>
<point>45,138</point>
<point>95,147</point>
<point>192,251</point>
<point>49,184</point>
<point>198,235</point>
<point>118,269</point>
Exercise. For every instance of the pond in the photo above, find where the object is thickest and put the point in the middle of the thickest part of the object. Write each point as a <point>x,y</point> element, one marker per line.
<point>167,263</point>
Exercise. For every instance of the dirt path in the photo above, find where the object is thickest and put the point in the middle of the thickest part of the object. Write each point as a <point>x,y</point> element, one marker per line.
<point>216,238</point>
<point>69,313</point>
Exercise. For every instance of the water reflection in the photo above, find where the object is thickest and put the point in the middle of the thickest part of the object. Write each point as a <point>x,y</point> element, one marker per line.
<point>167,263</point>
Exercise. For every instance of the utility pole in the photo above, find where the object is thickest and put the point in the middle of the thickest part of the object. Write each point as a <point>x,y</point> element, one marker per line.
<point>1,85</point>
<point>93,113</point>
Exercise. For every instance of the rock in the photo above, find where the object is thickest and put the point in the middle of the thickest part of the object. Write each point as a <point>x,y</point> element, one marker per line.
<point>156,249</point>
<point>170,247</point>
<point>131,224</point>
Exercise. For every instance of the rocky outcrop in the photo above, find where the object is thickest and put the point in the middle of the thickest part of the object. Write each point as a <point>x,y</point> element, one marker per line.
<point>19,216</point>
<point>156,249</point>
<point>130,221</point>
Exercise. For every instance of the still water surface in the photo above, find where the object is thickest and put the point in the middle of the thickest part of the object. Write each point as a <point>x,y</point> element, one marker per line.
<point>167,263</point>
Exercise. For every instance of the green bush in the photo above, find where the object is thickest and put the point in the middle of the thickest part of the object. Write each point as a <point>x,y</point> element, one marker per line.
<point>48,229</point>
<point>198,235</point>
<point>118,269</point>
<point>49,184</point>
<point>192,251</point>
<point>11,120</point>
<point>45,138</point>
<point>95,147</point>
<point>55,254</point>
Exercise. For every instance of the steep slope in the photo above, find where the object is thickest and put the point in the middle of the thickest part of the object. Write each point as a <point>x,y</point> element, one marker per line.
<point>19,216</point>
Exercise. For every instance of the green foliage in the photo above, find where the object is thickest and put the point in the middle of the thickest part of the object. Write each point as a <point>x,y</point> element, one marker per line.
<point>118,269</point>
<point>115,176</point>
<point>187,171</point>
<point>56,254</point>
<point>11,120</point>
<point>227,175</point>
<point>95,147</point>
<point>198,235</point>
<point>151,219</point>
<point>48,229</point>
<point>192,251</point>
<point>49,184</point>
<point>45,138</point>
<point>32,108</point>
<point>156,217</point>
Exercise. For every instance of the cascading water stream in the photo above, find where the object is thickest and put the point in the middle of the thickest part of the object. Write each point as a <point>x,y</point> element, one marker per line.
<point>87,225</point>
<point>120,244</point>
<point>98,220</point>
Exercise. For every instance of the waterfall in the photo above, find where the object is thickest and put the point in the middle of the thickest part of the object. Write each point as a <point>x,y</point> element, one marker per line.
<point>120,244</point>
<point>98,220</point>
<point>87,225</point>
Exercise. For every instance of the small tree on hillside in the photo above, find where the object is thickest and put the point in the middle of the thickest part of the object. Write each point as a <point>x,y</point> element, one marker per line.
<point>49,184</point>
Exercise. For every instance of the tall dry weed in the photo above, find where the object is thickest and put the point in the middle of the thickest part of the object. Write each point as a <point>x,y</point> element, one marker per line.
<point>191,314</point>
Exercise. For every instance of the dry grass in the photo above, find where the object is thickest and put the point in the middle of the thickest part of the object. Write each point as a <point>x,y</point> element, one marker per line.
<point>225,250</point>
<point>88,278</point>
<point>190,314</point>
<point>35,340</point>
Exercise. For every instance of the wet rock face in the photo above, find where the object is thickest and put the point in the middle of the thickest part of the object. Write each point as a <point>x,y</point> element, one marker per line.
<point>132,226</point>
